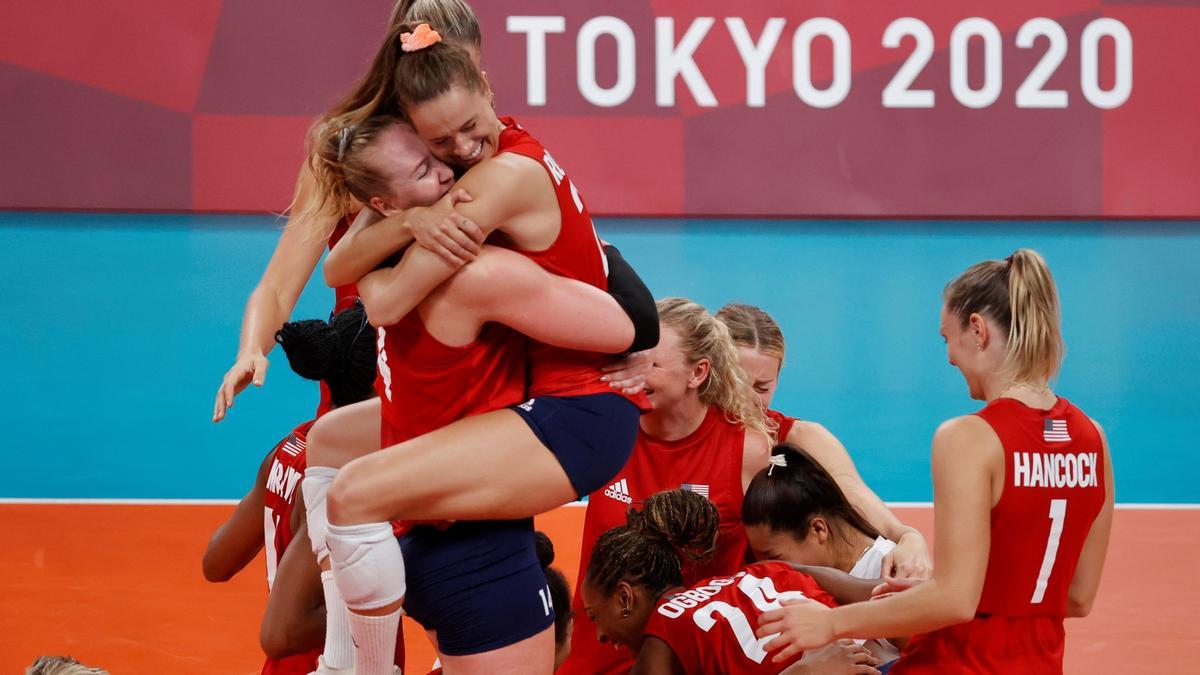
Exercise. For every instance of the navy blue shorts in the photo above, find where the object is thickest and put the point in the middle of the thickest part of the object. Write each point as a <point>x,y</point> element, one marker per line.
<point>591,436</point>
<point>477,584</point>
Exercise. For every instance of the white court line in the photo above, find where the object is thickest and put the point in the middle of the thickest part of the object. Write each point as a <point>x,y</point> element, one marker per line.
<point>1130,506</point>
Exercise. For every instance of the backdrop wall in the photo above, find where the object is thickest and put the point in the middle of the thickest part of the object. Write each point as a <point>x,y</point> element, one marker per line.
<point>1076,108</point>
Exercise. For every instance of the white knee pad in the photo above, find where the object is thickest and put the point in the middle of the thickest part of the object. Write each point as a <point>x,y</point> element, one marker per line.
<point>315,485</point>
<point>367,564</point>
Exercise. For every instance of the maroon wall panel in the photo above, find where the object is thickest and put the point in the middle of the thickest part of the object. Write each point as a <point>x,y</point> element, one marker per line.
<point>203,105</point>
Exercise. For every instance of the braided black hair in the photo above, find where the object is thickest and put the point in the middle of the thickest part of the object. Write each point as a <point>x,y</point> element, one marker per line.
<point>651,547</point>
<point>340,352</point>
<point>787,498</point>
<point>560,591</point>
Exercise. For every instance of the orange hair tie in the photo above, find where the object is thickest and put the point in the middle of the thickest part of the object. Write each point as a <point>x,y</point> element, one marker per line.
<point>422,36</point>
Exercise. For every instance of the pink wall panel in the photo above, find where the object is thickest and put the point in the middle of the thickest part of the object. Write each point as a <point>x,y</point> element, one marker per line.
<point>203,105</point>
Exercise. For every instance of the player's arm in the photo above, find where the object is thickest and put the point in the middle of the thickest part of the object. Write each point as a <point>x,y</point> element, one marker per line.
<point>756,450</point>
<point>369,241</point>
<point>910,558</point>
<point>271,303</point>
<point>1086,582</point>
<point>294,620</point>
<point>844,588</point>
<point>966,453</point>
<point>511,289</point>
<point>503,189</point>
<point>656,658</point>
<point>239,539</point>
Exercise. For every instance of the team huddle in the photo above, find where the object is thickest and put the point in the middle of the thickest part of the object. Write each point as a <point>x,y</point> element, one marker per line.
<point>490,358</point>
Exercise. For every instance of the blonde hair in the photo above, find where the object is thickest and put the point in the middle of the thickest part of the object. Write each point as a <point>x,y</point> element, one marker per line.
<point>750,326</point>
<point>373,96</point>
<point>1019,294</point>
<point>61,665</point>
<point>702,336</point>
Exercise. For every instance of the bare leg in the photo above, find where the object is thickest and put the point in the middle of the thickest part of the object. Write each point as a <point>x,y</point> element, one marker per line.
<point>486,467</point>
<point>344,434</point>
<point>531,656</point>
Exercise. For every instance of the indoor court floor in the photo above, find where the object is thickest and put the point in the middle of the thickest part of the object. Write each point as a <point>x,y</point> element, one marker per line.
<point>120,586</point>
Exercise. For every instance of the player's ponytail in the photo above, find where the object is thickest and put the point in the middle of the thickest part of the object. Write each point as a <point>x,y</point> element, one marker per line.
<point>702,336</point>
<point>673,528</point>
<point>793,490</point>
<point>431,66</point>
<point>342,167</point>
<point>750,326</point>
<point>1035,344</point>
<point>454,19</point>
<point>340,353</point>
<point>1019,294</point>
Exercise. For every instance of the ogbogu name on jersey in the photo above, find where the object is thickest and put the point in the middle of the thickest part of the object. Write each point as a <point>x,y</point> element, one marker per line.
<point>1055,470</point>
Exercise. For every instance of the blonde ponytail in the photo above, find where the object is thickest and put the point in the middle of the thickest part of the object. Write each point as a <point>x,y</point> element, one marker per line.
<point>1019,294</point>
<point>1035,344</point>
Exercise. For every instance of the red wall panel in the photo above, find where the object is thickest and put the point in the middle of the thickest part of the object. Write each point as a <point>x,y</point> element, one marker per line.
<point>203,105</point>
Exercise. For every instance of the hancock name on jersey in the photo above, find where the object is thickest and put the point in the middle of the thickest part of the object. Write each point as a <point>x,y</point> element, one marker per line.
<point>1036,469</point>
<point>283,480</point>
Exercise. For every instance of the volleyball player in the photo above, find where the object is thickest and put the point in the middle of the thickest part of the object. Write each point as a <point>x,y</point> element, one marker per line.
<point>795,511</point>
<point>761,346</point>
<point>706,433</point>
<point>1023,498</point>
<point>340,353</point>
<point>477,584</point>
<point>634,592</point>
<point>311,228</point>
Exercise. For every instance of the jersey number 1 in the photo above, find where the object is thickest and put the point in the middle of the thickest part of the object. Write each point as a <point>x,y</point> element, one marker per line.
<point>1058,514</point>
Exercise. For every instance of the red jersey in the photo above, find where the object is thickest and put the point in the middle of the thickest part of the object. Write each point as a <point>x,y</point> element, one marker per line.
<point>279,498</point>
<point>785,424</point>
<point>344,298</point>
<point>710,626</point>
<point>709,461</point>
<point>1053,490</point>
<point>576,254</point>
<point>425,385</point>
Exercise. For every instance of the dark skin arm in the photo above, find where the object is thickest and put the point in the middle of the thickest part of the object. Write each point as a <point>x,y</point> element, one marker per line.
<point>656,658</point>
<point>238,540</point>
<point>294,620</point>
<point>844,588</point>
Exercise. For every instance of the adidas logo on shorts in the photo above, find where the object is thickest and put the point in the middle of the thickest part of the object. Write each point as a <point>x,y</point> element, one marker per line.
<point>619,491</point>
<point>527,406</point>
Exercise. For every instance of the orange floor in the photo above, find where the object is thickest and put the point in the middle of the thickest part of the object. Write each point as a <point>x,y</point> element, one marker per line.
<point>120,586</point>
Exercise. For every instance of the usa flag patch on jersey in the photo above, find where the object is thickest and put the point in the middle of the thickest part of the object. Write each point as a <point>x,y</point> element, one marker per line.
<point>1055,431</point>
<point>698,488</point>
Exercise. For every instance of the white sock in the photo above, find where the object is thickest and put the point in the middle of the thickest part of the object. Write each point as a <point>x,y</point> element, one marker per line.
<point>339,645</point>
<point>376,638</point>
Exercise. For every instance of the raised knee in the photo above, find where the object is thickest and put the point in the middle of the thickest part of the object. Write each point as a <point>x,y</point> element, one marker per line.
<point>346,502</point>
<point>319,441</point>
<point>339,502</point>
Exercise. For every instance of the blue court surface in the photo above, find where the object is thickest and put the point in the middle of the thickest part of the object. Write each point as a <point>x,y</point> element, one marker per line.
<point>117,329</point>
